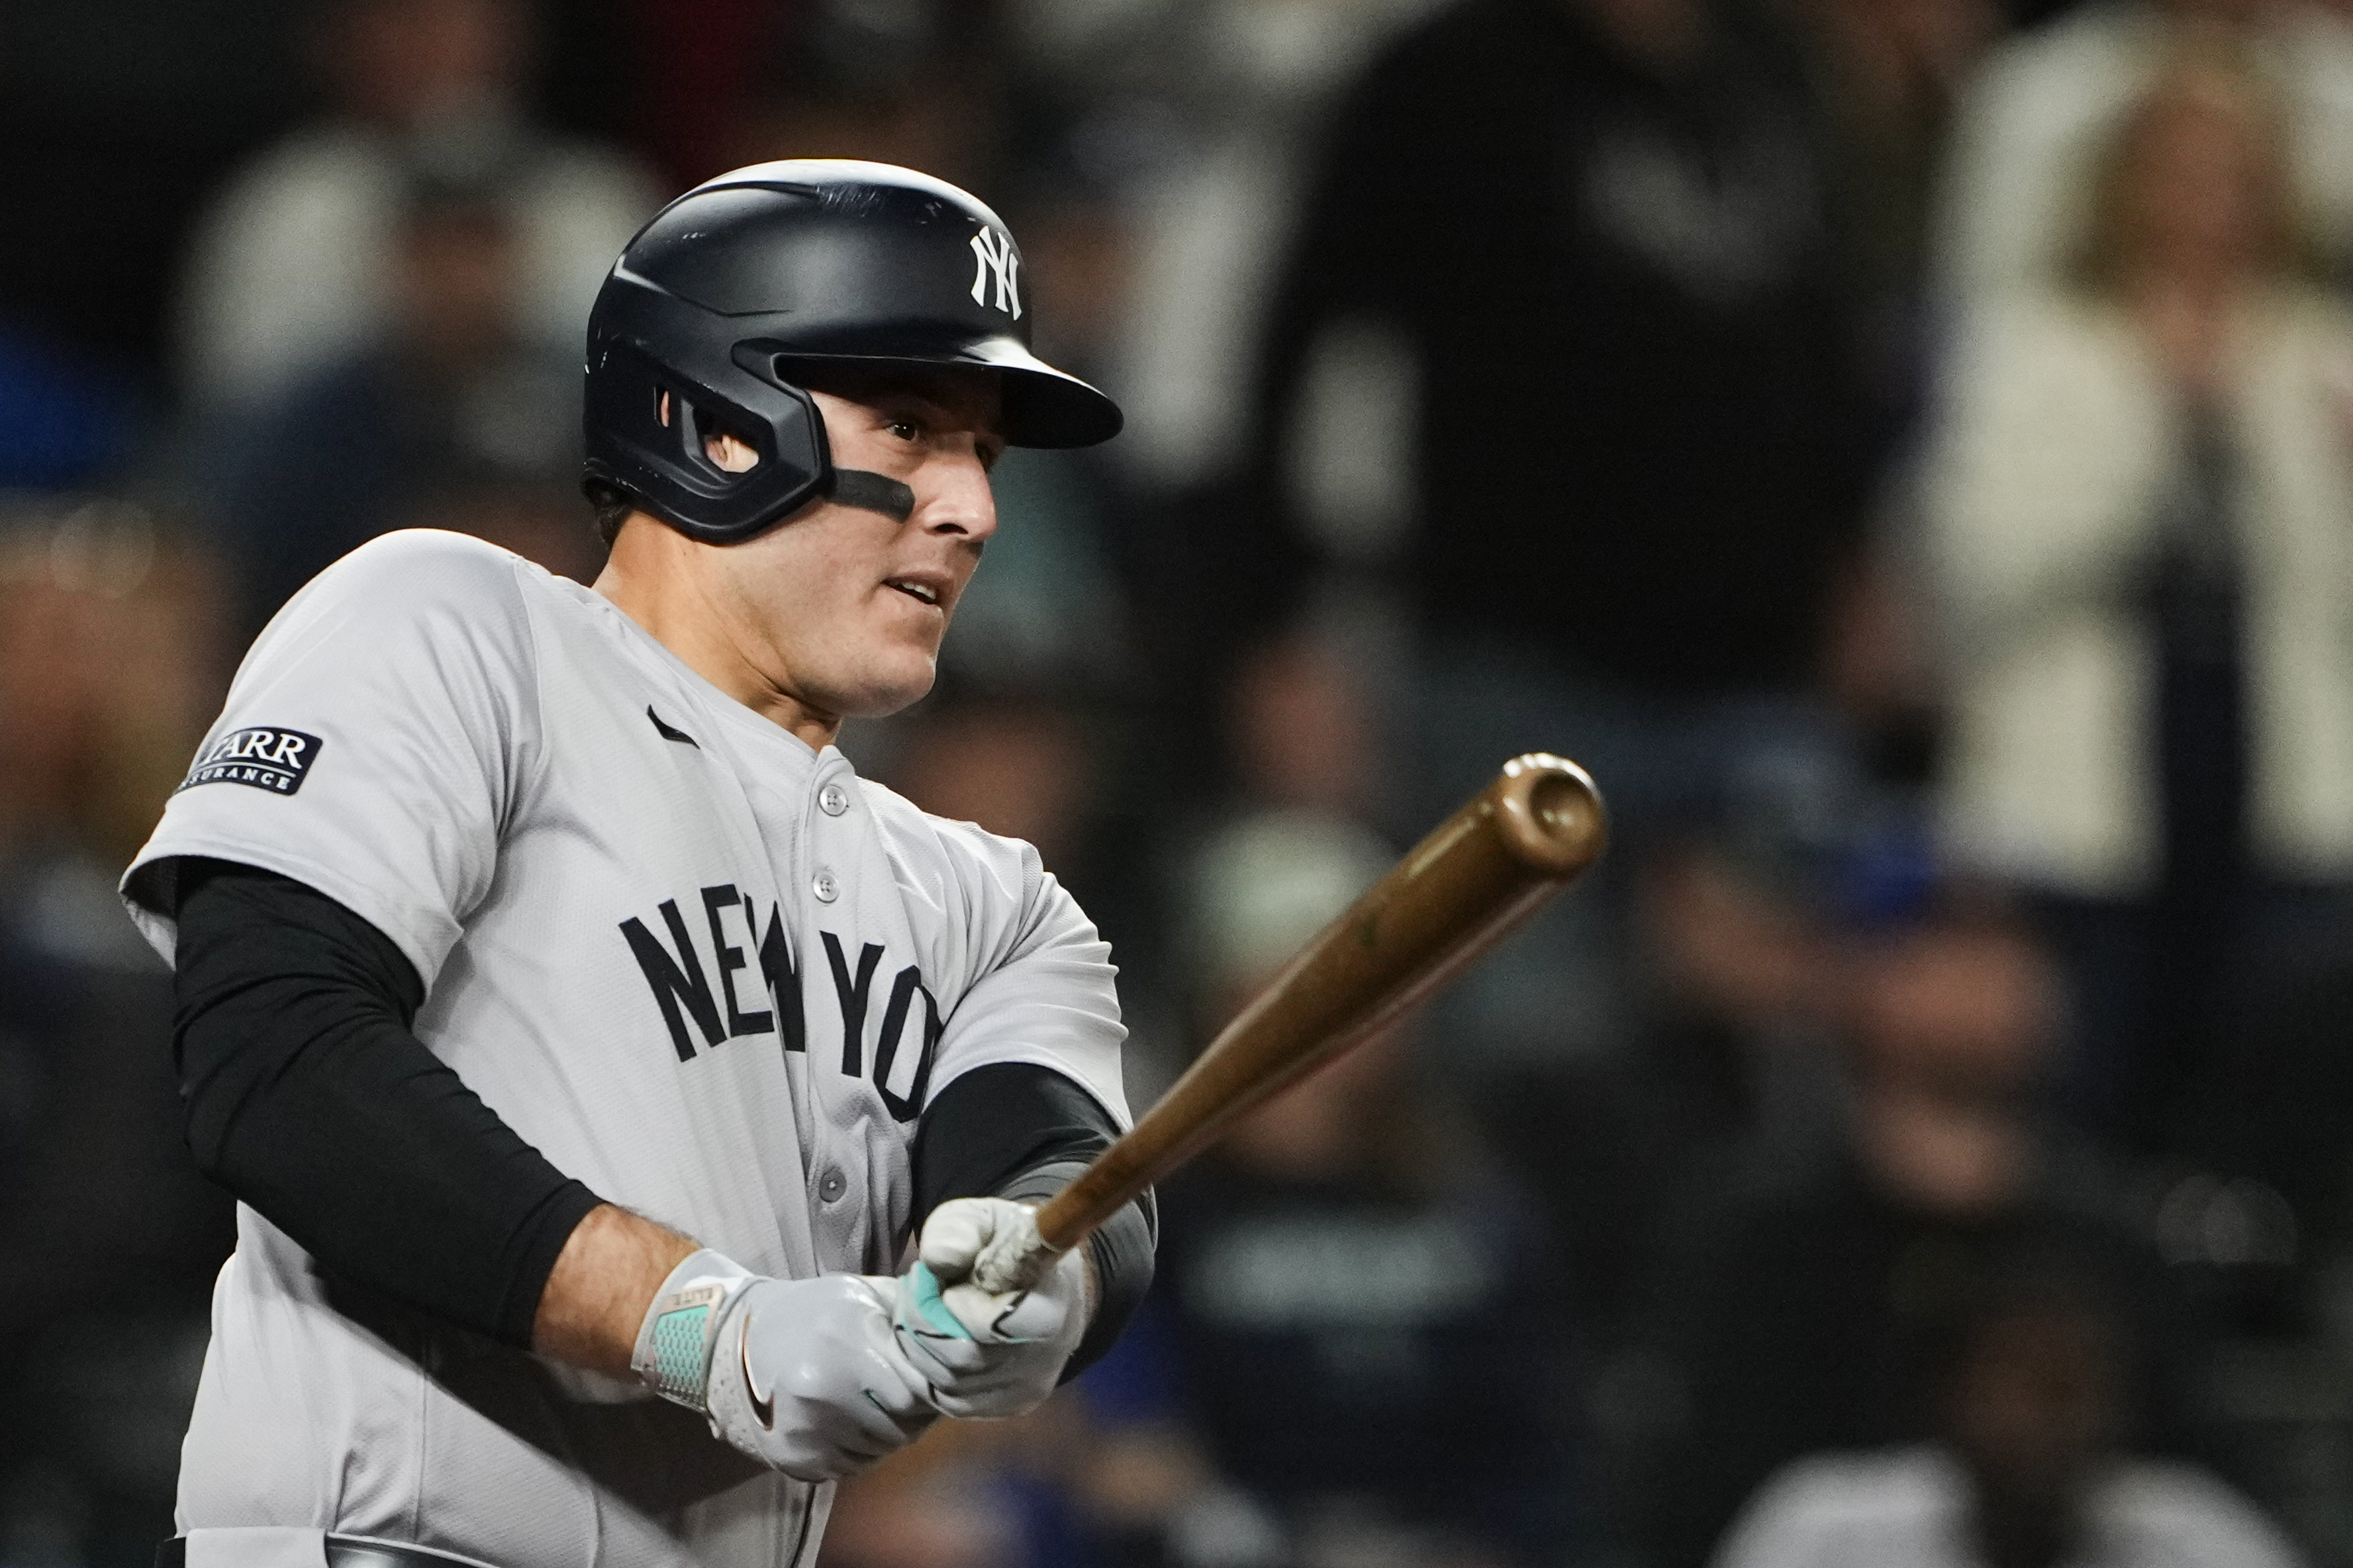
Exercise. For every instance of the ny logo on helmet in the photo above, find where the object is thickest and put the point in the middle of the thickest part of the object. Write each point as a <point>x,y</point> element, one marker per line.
<point>998,257</point>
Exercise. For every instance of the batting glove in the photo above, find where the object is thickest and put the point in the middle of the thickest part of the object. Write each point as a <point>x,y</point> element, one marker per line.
<point>804,1375</point>
<point>989,1353</point>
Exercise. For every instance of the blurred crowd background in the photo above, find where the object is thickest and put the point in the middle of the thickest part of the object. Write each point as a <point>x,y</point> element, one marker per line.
<point>1903,448</point>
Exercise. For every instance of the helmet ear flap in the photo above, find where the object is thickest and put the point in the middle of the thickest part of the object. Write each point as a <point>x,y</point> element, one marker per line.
<point>678,414</point>
<point>649,422</point>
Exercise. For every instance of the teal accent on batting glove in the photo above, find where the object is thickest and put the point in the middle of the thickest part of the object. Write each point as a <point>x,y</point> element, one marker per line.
<point>672,1354</point>
<point>682,1354</point>
<point>923,1290</point>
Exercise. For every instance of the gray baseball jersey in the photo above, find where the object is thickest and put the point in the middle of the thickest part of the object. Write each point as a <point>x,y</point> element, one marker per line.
<point>706,969</point>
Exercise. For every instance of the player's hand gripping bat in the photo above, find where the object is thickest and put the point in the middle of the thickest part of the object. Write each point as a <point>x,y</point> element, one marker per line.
<point>1486,868</point>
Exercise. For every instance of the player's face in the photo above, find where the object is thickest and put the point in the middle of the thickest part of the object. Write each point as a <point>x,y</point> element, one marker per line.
<point>848,604</point>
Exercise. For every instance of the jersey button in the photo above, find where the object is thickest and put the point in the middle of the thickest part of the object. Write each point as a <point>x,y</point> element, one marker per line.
<point>826,888</point>
<point>832,1185</point>
<point>833,800</point>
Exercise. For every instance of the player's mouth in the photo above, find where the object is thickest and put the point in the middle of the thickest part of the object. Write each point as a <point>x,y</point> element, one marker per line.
<point>923,590</point>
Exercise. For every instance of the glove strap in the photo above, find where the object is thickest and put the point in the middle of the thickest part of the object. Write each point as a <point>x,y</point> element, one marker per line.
<point>674,1343</point>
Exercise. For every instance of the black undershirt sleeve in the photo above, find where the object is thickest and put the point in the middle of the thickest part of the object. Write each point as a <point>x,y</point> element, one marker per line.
<point>1016,1131</point>
<point>308,1097</point>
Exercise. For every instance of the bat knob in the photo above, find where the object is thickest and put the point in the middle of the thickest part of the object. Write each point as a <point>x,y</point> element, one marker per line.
<point>1549,814</point>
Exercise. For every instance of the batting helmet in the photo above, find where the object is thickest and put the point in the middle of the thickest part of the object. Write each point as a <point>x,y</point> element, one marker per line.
<point>722,298</point>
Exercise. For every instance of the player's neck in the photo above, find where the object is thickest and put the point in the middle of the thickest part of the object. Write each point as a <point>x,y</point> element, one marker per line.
<point>672,609</point>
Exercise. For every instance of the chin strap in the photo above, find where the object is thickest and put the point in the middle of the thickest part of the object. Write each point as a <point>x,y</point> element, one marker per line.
<point>873,492</point>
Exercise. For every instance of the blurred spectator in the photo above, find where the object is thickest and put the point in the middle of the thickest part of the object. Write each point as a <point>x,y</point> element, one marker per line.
<point>1262,886</point>
<point>1892,72</point>
<point>691,66</point>
<point>2136,512</point>
<point>1051,610</point>
<point>1210,113</point>
<point>111,665</point>
<point>1590,243</point>
<point>947,1501</point>
<point>289,266</point>
<point>2032,126</point>
<point>1895,67</point>
<point>449,417</point>
<point>1735,1055</point>
<point>896,81</point>
<point>1788,1299</point>
<point>1016,767</point>
<point>2031,1463</point>
<point>1302,729</point>
<point>110,650</point>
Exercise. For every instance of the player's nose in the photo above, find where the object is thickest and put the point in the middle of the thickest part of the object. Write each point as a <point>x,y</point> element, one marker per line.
<point>961,503</point>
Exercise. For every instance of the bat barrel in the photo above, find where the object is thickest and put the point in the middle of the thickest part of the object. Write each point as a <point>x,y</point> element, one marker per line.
<point>1481,872</point>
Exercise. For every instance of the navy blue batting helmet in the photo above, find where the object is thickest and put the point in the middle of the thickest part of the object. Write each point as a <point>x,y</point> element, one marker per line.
<point>728,297</point>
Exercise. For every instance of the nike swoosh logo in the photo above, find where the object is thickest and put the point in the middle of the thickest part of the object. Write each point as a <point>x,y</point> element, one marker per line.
<point>668,734</point>
<point>762,1410</point>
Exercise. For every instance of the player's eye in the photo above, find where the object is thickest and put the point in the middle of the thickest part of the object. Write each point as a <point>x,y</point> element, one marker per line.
<point>906,429</point>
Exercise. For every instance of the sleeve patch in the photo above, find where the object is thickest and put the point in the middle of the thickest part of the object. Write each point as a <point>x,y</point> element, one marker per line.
<point>264,756</point>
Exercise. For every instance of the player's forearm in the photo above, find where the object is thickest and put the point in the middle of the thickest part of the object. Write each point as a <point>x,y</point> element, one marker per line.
<point>603,1282</point>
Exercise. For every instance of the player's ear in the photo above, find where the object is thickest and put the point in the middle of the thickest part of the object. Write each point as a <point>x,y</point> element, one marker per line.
<point>726,450</point>
<point>733,456</point>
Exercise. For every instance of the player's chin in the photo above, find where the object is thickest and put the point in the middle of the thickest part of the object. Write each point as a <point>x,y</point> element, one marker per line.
<point>896,680</point>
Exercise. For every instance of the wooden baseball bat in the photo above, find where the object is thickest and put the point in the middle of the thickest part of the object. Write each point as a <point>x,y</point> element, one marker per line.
<point>1486,868</point>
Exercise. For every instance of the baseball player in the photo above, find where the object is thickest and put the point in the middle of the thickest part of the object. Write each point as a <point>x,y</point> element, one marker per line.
<point>584,1038</point>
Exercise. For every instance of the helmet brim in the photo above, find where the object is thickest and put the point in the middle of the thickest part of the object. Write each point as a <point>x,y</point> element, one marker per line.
<point>1042,407</point>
